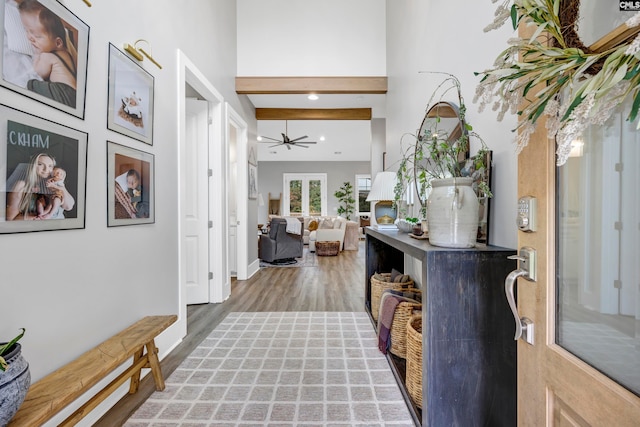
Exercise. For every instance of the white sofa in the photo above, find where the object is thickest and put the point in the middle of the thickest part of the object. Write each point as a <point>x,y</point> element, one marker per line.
<point>324,234</point>
<point>350,236</point>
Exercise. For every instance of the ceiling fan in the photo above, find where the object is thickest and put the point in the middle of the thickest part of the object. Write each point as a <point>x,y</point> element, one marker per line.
<point>286,141</point>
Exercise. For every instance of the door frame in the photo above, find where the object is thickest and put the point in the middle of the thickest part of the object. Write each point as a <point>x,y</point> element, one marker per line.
<point>235,120</point>
<point>189,73</point>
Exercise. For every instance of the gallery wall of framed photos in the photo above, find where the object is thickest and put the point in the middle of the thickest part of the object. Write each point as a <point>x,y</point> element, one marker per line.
<point>45,66</point>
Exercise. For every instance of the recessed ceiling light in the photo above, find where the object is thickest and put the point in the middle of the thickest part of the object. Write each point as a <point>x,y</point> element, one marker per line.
<point>322,138</point>
<point>259,138</point>
<point>312,97</point>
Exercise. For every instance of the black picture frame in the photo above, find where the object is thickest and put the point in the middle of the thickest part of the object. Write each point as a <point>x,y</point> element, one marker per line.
<point>30,147</point>
<point>42,83</point>
<point>131,97</point>
<point>129,204</point>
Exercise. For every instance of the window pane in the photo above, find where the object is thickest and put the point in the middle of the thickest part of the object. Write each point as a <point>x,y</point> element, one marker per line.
<point>315,197</point>
<point>295,197</point>
<point>363,188</point>
<point>598,316</point>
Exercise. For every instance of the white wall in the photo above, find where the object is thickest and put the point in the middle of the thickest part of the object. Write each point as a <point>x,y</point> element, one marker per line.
<point>73,289</point>
<point>440,35</point>
<point>311,38</point>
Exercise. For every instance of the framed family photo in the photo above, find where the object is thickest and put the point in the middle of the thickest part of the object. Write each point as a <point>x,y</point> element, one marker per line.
<point>130,109</point>
<point>130,186</point>
<point>43,174</point>
<point>45,49</point>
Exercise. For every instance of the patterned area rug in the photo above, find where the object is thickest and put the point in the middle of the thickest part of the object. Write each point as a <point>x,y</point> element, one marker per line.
<point>281,369</point>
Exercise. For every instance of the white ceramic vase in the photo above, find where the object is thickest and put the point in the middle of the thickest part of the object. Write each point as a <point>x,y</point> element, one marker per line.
<point>452,213</point>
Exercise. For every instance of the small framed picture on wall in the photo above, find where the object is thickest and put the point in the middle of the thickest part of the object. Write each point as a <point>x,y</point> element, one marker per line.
<point>130,186</point>
<point>45,49</point>
<point>130,109</point>
<point>44,174</point>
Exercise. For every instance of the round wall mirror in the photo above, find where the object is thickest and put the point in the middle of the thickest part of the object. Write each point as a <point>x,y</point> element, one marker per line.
<point>441,125</point>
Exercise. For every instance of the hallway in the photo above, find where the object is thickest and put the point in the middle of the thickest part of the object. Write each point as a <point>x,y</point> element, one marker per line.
<point>336,285</point>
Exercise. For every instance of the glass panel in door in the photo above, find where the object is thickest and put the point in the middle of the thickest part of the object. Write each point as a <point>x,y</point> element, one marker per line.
<point>598,316</point>
<point>315,197</point>
<point>295,197</point>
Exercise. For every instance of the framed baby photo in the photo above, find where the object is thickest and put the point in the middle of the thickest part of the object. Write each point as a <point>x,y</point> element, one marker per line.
<point>130,186</point>
<point>43,174</point>
<point>45,49</point>
<point>130,109</point>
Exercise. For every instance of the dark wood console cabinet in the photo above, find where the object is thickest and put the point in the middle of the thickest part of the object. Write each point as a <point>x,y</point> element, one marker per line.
<point>468,350</point>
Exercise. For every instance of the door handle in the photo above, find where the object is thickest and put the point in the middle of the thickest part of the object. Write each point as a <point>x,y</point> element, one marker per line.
<point>526,268</point>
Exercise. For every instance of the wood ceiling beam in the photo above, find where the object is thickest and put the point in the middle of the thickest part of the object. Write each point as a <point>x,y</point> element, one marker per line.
<point>320,85</point>
<point>313,113</point>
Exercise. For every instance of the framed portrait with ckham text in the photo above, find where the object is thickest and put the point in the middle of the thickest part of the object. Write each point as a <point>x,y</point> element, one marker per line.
<point>43,174</point>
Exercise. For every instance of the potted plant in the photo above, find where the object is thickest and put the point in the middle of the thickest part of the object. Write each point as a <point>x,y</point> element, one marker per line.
<point>438,169</point>
<point>15,378</point>
<point>406,224</point>
<point>345,197</point>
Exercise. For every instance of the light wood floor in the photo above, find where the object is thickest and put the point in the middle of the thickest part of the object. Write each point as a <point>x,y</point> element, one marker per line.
<point>336,284</point>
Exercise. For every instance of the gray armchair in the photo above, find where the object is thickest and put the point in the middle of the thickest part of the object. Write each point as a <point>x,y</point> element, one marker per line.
<point>278,245</point>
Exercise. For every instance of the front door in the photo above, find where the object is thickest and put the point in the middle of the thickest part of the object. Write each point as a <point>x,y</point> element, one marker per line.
<point>583,368</point>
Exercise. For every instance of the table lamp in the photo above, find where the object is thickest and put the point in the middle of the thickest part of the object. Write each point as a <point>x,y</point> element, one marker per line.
<point>383,192</point>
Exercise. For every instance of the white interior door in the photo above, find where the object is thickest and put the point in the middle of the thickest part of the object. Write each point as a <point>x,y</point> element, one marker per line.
<point>202,191</point>
<point>196,212</point>
<point>237,182</point>
<point>233,202</point>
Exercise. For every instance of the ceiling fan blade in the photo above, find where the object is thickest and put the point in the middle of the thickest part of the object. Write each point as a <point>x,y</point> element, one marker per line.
<point>298,139</point>
<point>305,142</point>
<point>272,139</point>
<point>288,146</point>
<point>276,145</point>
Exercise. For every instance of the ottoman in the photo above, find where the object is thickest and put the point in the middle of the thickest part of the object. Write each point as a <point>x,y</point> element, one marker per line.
<point>327,248</point>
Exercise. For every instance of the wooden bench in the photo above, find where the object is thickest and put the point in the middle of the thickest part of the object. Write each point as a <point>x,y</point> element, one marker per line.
<point>54,392</point>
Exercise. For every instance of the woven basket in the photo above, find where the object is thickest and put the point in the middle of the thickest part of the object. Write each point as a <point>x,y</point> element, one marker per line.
<point>327,248</point>
<point>401,318</point>
<point>378,286</point>
<point>413,378</point>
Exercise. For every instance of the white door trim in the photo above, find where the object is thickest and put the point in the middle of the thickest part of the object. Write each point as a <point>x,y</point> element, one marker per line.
<point>189,73</point>
<point>233,119</point>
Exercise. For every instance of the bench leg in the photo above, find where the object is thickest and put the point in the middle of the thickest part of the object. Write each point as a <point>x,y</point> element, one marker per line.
<point>135,378</point>
<point>154,364</point>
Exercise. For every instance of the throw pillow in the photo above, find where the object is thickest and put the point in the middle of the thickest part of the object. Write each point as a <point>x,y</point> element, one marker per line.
<point>313,225</point>
<point>327,223</point>
<point>397,277</point>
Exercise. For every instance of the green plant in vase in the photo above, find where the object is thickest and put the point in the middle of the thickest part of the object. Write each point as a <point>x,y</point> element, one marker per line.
<point>4,350</point>
<point>15,378</point>
<point>347,203</point>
